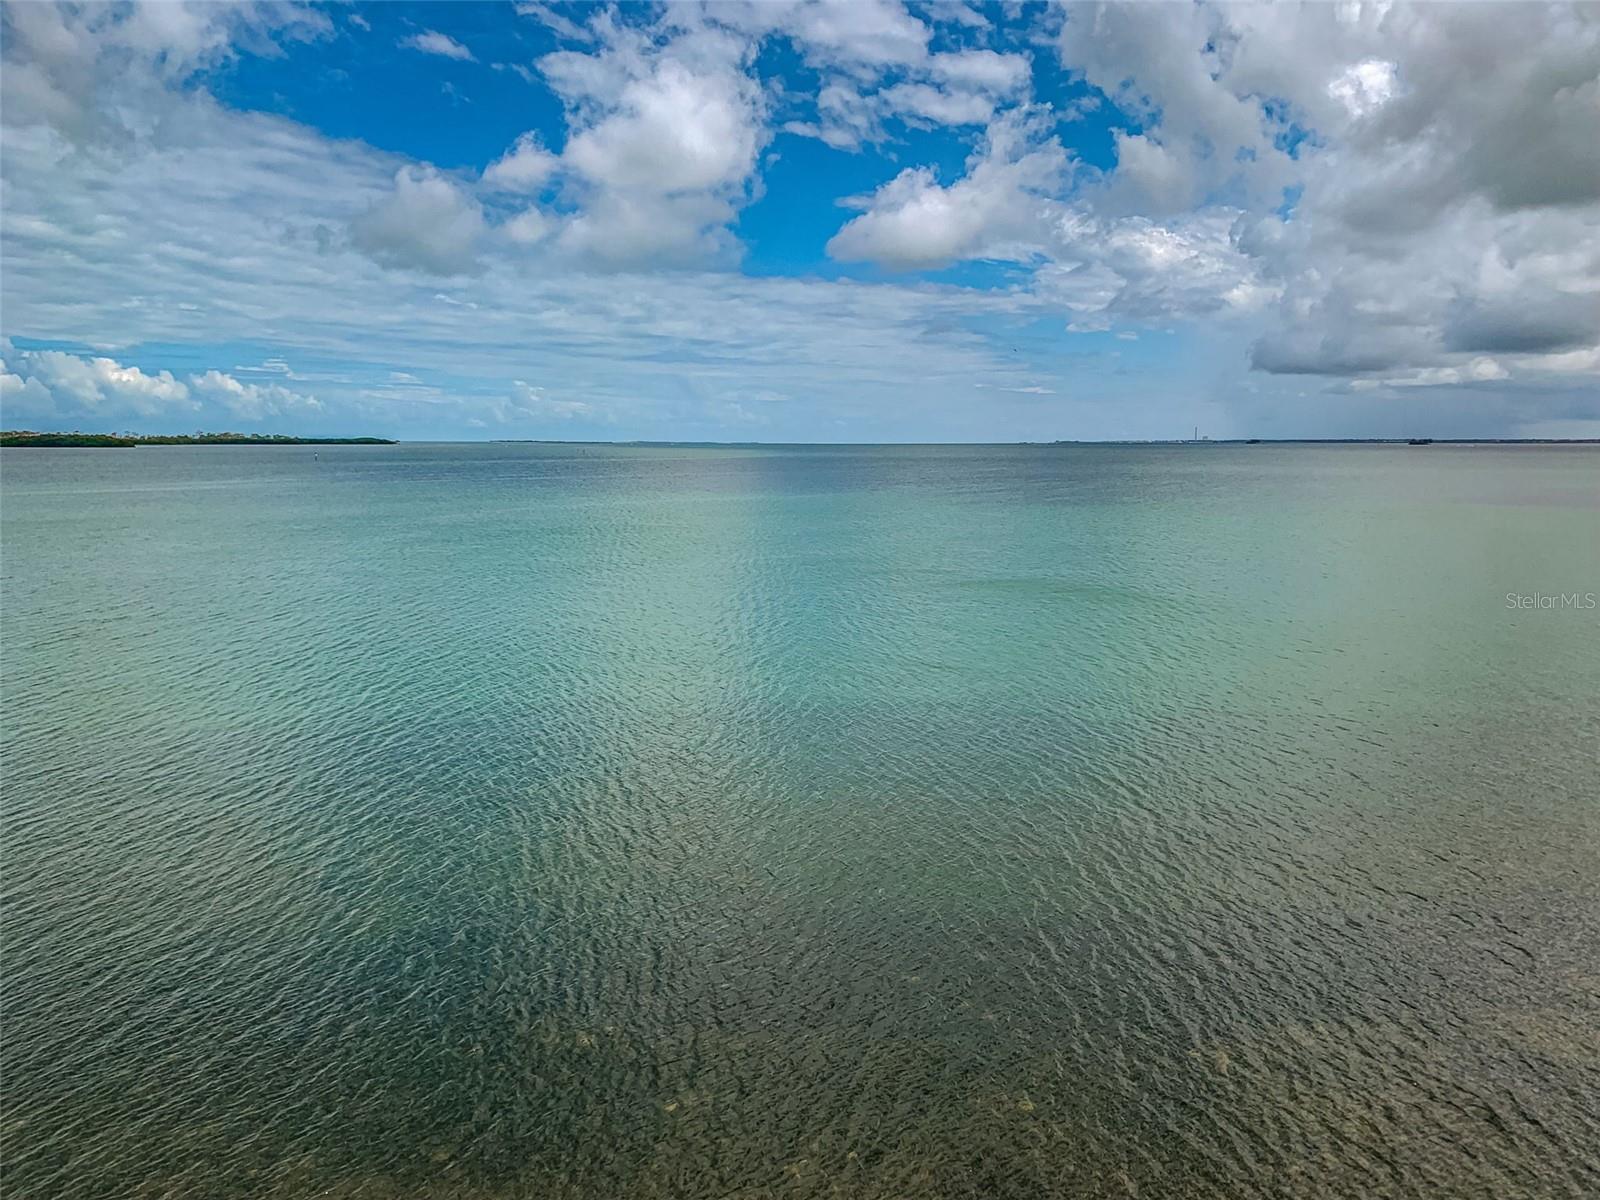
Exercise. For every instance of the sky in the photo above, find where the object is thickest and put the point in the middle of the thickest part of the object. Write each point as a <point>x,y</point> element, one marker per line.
<point>799,220</point>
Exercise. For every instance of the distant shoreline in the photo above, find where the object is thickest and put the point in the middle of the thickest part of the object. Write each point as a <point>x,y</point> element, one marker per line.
<point>1098,442</point>
<point>29,438</point>
<point>25,437</point>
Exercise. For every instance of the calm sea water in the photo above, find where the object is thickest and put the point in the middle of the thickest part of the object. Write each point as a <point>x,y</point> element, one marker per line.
<point>556,822</point>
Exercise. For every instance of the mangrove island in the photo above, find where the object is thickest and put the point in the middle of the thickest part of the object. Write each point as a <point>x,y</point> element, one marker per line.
<point>26,437</point>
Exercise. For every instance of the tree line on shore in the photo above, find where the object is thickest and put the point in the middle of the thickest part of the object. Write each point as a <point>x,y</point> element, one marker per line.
<point>27,437</point>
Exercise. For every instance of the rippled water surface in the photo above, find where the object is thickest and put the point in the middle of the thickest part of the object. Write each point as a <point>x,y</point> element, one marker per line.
<point>574,823</point>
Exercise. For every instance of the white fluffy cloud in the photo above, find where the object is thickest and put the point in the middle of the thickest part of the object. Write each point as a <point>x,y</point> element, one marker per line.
<point>664,133</point>
<point>251,401</point>
<point>21,396</point>
<point>527,228</point>
<point>54,384</point>
<point>673,129</point>
<point>1444,211</point>
<point>52,381</point>
<point>1205,138</point>
<point>999,209</point>
<point>1442,219</point>
<point>1092,267</point>
<point>523,168</point>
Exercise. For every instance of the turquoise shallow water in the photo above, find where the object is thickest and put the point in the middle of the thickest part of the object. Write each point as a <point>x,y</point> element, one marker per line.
<point>557,822</point>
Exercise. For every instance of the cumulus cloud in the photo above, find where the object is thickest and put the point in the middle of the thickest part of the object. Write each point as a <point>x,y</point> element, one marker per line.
<point>431,42</point>
<point>663,141</point>
<point>1473,281</point>
<point>1162,179</point>
<point>27,396</point>
<point>1204,137</point>
<point>251,401</point>
<point>523,168</point>
<point>527,228</point>
<point>427,224</point>
<point>675,129</point>
<point>1443,212</point>
<point>1093,267</point>
<point>996,210</point>
<point>53,381</point>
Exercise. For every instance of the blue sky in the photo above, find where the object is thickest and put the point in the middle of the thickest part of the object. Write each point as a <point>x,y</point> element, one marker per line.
<point>799,220</point>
